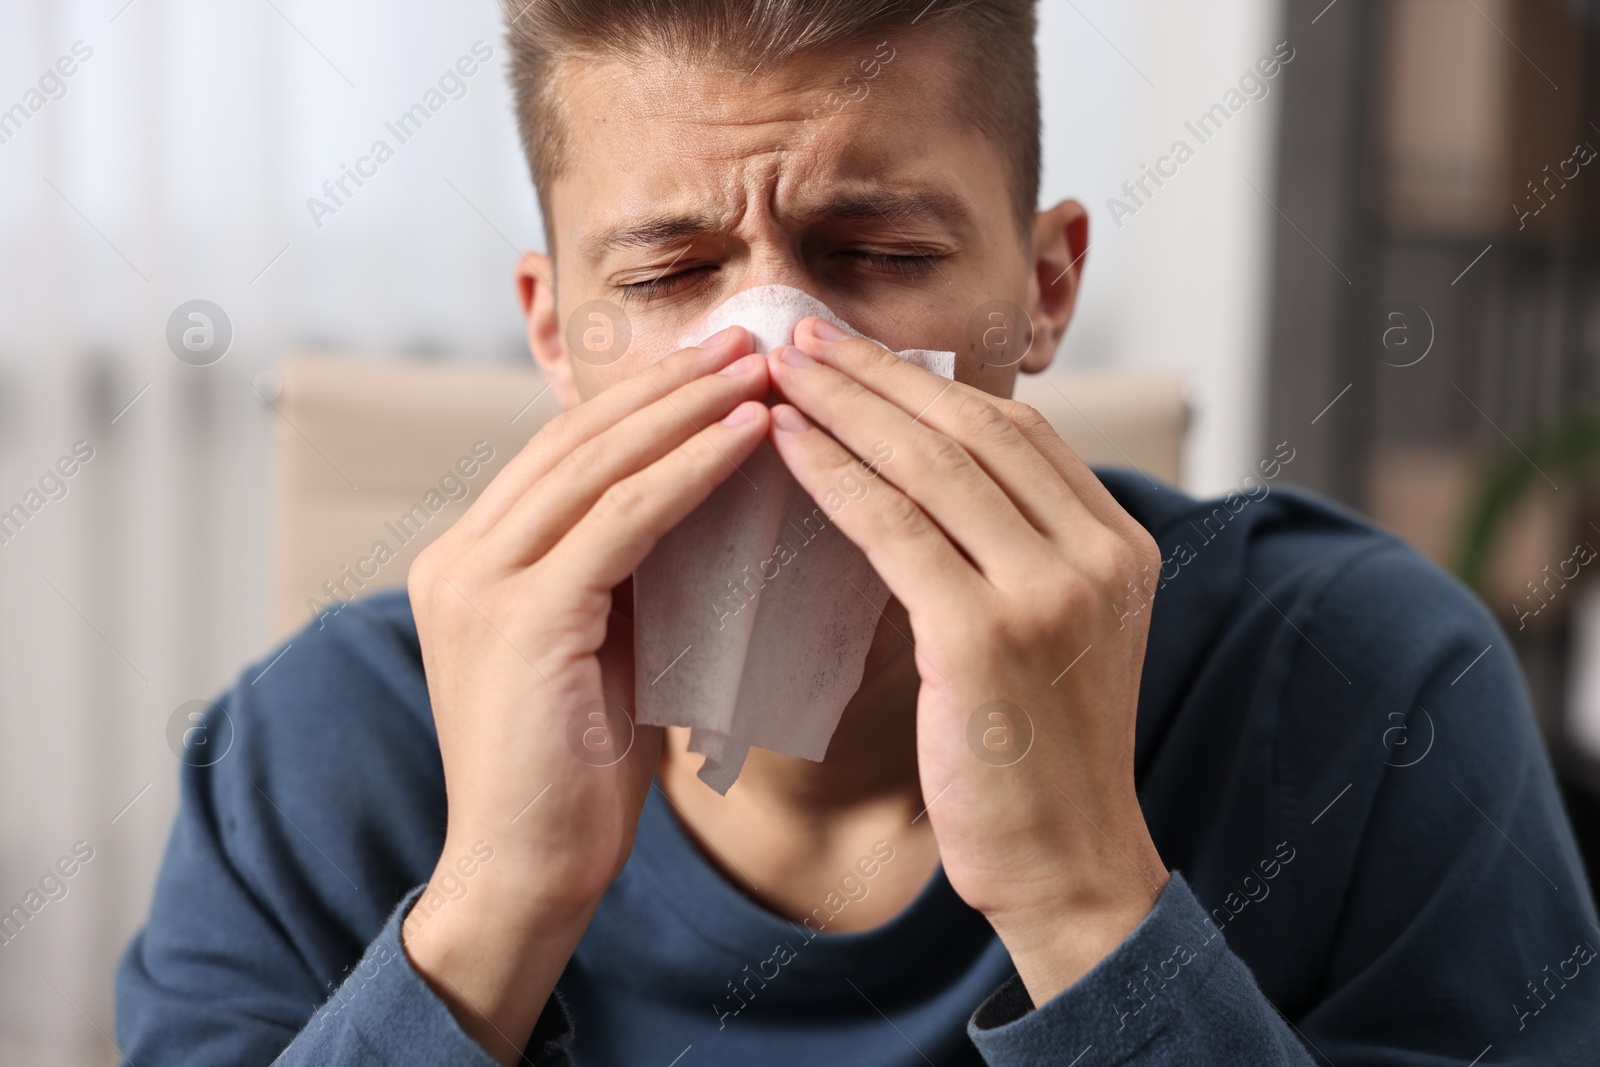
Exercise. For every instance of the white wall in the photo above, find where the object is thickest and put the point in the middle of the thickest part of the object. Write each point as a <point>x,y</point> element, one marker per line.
<point>177,165</point>
<point>1181,284</point>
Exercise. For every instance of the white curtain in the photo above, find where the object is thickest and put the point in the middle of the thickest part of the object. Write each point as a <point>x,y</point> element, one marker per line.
<point>175,163</point>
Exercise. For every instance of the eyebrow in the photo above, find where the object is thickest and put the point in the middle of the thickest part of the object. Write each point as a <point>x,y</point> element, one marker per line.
<point>926,206</point>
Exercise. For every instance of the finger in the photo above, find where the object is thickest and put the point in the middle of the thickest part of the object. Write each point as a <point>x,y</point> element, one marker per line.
<point>572,428</point>
<point>911,554</point>
<point>1084,483</point>
<point>965,414</point>
<point>553,504</point>
<point>932,469</point>
<point>618,532</point>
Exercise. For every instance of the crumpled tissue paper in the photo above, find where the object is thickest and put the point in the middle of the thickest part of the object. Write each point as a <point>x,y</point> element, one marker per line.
<point>753,616</point>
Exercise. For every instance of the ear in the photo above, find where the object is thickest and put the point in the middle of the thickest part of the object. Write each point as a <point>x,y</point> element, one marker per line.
<point>537,292</point>
<point>1060,243</point>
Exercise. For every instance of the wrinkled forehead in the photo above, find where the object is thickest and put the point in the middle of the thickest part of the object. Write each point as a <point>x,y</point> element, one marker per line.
<point>650,137</point>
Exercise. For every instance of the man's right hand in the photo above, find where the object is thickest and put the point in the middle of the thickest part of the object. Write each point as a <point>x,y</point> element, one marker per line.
<point>513,607</point>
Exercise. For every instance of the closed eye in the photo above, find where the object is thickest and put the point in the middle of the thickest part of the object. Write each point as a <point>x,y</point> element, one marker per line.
<point>663,284</point>
<point>912,266</point>
<point>918,265</point>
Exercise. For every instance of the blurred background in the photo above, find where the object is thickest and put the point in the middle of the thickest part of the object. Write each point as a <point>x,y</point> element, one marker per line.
<point>1384,256</point>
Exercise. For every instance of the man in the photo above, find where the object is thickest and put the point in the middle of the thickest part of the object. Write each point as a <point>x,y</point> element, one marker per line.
<point>1215,848</point>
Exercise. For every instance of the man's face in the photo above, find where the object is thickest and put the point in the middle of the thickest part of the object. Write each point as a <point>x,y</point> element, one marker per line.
<point>844,174</point>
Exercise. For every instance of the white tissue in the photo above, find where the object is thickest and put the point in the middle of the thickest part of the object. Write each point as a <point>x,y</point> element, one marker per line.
<point>753,617</point>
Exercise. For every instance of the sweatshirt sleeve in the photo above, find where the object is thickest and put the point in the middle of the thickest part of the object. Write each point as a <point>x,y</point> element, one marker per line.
<point>1169,994</point>
<point>297,850</point>
<point>384,1013</point>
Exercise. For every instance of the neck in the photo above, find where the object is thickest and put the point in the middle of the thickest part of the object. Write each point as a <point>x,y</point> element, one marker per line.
<point>788,821</point>
<point>872,758</point>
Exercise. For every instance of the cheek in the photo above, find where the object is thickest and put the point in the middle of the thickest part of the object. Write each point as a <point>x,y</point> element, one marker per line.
<point>650,340</point>
<point>592,380</point>
<point>988,331</point>
<point>994,337</point>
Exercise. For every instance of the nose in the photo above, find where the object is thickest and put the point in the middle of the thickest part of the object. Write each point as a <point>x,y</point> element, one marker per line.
<point>769,312</point>
<point>775,261</point>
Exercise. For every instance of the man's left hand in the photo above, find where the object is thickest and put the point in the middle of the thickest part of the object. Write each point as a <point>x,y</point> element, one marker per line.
<point>1029,591</point>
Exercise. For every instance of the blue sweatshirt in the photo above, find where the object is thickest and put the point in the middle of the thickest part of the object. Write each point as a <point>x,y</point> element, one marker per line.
<point>1335,758</point>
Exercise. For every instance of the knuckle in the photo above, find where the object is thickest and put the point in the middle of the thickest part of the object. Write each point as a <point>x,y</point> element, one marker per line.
<point>1025,417</point>
<point>703,443</point>
<point>703,454</point>
<point>860,350</point>
<point>980,419</point>
<point>424,574</point>
<point>1114,561</point>
<point>677,362</point>
<point>671,373</point>
<point>841,465</point>
<point>419,576</point>
<point>449,598</point>
<point>622,498</point>
<point>1124,561</point>
<point>899,515</point>
<point>944,452</point>
<point>842,388</point>
<point>556,431</point>
<point>1146,551</point>
<point>597,453</point>
<point>559,437</point>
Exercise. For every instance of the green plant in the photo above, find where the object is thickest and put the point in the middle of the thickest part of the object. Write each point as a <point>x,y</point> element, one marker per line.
<point>1568,446</point>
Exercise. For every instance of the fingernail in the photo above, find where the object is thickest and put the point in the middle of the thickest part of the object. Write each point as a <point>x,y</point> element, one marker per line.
<point>794,357</point>
<point>717,338</point>
<point>741,414</point>
<point>827,331</point>
<point>790,420</point>
<point>742,365</point>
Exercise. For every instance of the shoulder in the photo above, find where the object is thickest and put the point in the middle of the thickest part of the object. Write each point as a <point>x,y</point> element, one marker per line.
<point>344,689</point>
<point>1386,621</point>
<point>1297,644</point>
<point>311,802</point>
<point>330,786</point>
<point>365,646</point>
<point>1316,688</point>
<point>1371,609</point>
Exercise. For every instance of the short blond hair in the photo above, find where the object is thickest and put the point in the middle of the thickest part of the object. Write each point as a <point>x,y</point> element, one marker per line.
<point>996,88</point>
